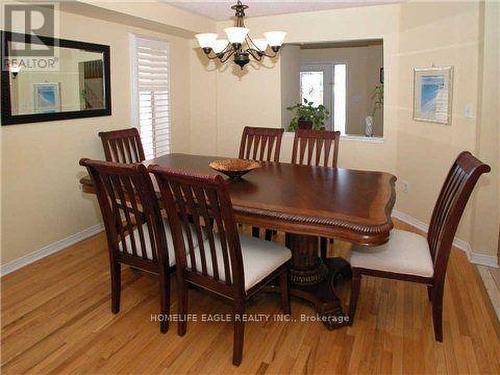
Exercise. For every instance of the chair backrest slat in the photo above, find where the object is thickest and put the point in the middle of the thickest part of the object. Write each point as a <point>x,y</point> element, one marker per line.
<point>209,228</point>
<point>130,211</point>
<point>449,208</point>
<point>314,147</point>
<point>262,144</point>
<point>123,146</point>
<point>202,203</point>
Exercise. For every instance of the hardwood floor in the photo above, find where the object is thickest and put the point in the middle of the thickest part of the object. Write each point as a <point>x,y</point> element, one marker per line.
<point>56,317</point>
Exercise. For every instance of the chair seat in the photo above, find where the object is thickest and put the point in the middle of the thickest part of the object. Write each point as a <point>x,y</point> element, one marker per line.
<point>260,259</point>
<point>405,253</point>
<point>147,242</point>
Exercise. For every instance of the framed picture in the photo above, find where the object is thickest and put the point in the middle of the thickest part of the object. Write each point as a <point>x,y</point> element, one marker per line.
<point>46,97</point>
<point>432,94</point>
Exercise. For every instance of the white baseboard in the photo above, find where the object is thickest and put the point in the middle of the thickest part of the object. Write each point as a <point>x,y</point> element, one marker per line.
<point>476,258</point>
<point>50,249</point>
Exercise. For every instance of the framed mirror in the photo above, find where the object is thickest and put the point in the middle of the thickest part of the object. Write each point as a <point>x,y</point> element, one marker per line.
<point>49,79</point>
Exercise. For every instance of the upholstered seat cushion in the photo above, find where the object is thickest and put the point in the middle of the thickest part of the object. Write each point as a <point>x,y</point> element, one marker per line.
<point>147,242</point>
<point>260,258</point>
<point>405,253</point>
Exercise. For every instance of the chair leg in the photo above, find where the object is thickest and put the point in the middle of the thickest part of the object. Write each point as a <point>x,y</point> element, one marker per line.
<point>115,287</point>
<point>285,295</point>
<point>437,312</point>
<point>355,286</point>
<point>239,332</point>
<point>256,232</point>
<point>182,302</point>
<point>165,300</point>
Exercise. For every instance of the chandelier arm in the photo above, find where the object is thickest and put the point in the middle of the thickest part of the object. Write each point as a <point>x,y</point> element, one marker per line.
<point>258,50</point>
<point>251,43</point>
<point>260,53</point>
<point>226,57</point>
<point>211,55</point>
<point>255,54</point>
<point>269,55</point>
<point>227,48</point>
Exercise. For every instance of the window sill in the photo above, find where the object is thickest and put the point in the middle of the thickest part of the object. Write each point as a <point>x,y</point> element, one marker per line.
<point>360,138</point>
<point>350,138</point>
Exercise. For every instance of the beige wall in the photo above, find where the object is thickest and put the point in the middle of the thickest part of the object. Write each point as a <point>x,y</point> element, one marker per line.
<point>433,33</point>
<point>254,97</point>
<point>415,34</point>
<point>41,197</point>
<point>290,81</point>
<point>486,214</point>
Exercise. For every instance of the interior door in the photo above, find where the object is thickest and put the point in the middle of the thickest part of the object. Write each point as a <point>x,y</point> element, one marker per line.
<point>316,85</point>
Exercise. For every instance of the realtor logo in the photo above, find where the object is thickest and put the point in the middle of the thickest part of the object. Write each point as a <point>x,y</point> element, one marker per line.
<point>26,47</point>
<point>34,20</point>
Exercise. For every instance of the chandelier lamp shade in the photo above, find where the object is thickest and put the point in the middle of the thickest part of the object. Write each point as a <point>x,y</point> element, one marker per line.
<point>239,44</point>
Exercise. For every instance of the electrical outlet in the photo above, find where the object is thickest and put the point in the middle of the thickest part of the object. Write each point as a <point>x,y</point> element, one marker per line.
<point>405,186</point>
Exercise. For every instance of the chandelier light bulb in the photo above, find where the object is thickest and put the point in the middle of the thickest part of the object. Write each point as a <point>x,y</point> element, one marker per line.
<point>220,45</point>
<point>206,40</point>
<point>236,35</point>
<point>275,38</point>
<point>261,44</point>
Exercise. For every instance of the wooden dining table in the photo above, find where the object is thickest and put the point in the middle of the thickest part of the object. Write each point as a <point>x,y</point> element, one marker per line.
<point>306,202</point>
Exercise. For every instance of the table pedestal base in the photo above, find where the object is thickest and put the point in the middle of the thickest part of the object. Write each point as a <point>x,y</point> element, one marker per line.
<point>314,280</point>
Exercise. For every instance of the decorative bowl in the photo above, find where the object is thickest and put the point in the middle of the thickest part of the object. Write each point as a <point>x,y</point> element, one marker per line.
<point>234,168</point>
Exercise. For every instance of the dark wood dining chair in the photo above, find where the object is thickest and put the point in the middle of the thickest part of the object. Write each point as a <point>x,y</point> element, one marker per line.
<point>316,147</point>
<point>137,234</point>
<point>122,146</point>
<point>224,263</point>
<point>411,257</point>
<point>261,144</point>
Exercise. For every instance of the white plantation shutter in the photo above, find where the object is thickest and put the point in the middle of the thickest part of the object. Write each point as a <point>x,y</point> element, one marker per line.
<point>151,94</point>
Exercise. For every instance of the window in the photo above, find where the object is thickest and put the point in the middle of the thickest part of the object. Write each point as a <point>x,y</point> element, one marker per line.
<point>326,84</point>
<point>151,94</point>
<point>311,87</point>
<point>340,97</point>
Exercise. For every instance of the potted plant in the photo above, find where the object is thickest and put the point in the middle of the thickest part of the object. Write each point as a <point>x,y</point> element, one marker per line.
<point>377,96</point>
<point>307,116</point>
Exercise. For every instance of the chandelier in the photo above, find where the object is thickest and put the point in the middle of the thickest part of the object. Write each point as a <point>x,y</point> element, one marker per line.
<point>238,42</point>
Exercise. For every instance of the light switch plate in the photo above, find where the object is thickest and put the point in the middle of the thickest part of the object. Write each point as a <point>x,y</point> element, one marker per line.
<point>469,110</point>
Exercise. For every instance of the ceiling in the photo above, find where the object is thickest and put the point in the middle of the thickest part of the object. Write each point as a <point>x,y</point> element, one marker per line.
<point>220,10</point>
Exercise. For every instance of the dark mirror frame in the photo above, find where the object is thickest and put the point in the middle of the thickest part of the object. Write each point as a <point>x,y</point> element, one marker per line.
<point>9,119</point>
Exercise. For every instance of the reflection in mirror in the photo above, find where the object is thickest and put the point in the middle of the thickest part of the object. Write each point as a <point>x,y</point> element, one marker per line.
<point>77,84</point>
<point>344,77</point>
